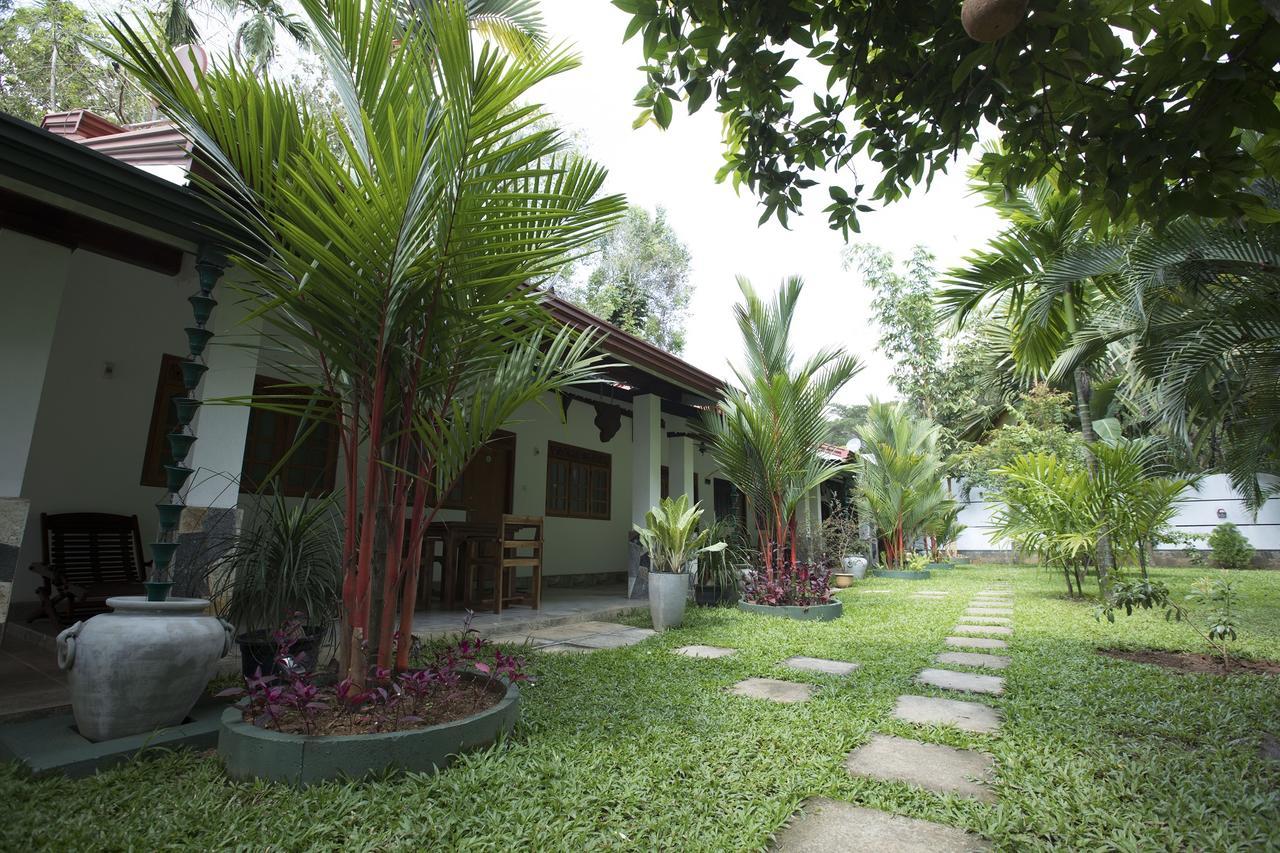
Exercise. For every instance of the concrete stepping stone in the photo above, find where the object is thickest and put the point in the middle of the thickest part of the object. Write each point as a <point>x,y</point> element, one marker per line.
<point>560,648</point>
<point>974,659</point>
<point>976,643</point>
<point>773,690</point>
<point>989,620</point>
<point>571,631</point>
<point>926,765</point>
<point>830,826</point>
<point>830,667</point>
<point>932,711</point>
<point>998,630</point>
<point>704,651</point>
<point>989,611</point>
<point>969,682</point>
<point>520,640</point>
<point>615,641</point>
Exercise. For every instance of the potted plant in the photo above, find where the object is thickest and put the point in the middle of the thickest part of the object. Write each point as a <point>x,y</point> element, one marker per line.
<point>283,568</point>
<point>841,536</point>
<point>720,572</point>
<point>671,537</point>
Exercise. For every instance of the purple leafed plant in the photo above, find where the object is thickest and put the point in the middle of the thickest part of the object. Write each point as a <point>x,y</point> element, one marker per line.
<point>802,584</point>
<point>390,702</point>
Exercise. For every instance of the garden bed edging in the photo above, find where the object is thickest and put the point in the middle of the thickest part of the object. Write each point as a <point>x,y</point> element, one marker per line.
<point>903,576</point>
<point>249,752</point>
<point>812,613</point>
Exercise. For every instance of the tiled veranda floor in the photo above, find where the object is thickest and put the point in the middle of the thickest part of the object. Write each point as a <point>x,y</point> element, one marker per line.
<point>558,605</point>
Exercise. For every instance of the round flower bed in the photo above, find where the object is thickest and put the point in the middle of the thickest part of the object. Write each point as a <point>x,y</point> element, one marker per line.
<point>807,613</point>
<point>903,575</point>
<point>250,751</point>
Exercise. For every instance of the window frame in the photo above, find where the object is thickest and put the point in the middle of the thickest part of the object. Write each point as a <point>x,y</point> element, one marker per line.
<point>590,463</point>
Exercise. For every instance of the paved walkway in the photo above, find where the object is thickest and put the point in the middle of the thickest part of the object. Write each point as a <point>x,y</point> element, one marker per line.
<point>827,825</point>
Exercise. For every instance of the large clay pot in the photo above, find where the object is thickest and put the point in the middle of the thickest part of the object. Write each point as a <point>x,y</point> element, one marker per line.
<point>141,667</point>
<point>668,594</point>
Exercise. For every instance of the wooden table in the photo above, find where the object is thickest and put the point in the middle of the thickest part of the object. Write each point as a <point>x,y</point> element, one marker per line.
<point>453,535</point>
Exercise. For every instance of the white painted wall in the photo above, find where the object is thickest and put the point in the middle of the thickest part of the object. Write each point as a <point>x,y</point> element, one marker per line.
<point>1197,514</point>
<point>91,429</point>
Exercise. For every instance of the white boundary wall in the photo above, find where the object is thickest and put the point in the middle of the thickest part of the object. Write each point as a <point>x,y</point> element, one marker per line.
<point>1198,513</point>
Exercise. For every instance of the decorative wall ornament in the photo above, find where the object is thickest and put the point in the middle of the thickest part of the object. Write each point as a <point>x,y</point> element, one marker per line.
<point>608,420</point>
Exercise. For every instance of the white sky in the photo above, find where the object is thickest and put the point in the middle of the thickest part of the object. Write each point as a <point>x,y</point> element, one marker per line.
<point>676,169</point>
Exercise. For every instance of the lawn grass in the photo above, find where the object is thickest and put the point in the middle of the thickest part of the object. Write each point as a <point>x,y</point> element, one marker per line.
<point>641,749</point>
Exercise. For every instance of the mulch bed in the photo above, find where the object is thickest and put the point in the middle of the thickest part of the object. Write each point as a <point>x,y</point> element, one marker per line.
<point>1194,662</point>
<point>442,706</point>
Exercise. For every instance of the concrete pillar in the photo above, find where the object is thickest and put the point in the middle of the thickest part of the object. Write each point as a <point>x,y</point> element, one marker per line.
<point>218,454</point>
<point>680,452</point>
<point>646,455</point>
<point>38,272</point>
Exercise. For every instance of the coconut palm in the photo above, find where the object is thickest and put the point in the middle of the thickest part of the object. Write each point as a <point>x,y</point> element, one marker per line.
<point>766,434</point>
<point>514,25</point>
<point>900,476</point>
<point>391,271</point>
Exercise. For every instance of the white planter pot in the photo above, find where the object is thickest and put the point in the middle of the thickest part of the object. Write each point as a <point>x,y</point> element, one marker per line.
<point>141,667</point>
<point>668,594</point>
<point>856,566</point>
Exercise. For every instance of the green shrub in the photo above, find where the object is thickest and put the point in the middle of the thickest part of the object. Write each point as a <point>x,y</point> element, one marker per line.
<point>1230,549</point>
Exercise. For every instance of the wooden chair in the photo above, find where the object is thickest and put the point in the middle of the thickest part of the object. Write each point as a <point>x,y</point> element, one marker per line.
<point>503,556</point>
<point>87,557</point>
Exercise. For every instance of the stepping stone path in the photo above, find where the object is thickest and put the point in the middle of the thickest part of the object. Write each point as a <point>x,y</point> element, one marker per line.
<point>830,667</point>
<point>773,690</point>
<point>976,643</point>
<point>926,765</point>
<point>973,659</point>
<point>578,637</point>
<point>969,682</point>
<point>704,651</point>
<point>998,630</point>
<point>829,826</point>
<point>932,711</point>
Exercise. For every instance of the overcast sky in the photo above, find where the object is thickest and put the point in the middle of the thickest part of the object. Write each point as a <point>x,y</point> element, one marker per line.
<point>676,169</point>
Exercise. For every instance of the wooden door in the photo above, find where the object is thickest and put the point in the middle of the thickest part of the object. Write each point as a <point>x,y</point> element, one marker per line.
<point>487,482</point>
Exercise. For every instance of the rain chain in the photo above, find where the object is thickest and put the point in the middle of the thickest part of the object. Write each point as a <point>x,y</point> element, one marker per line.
<point>209,267</point>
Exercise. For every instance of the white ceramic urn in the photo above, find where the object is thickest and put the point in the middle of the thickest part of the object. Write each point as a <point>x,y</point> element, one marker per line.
<point>141,667</point>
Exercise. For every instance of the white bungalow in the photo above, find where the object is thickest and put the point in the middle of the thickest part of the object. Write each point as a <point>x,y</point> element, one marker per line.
<point>100,255</point>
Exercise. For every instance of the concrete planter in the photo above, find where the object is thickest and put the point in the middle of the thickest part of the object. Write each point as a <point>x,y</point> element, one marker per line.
<point>668,595</point>
<point>903,576</point>
<point>812,613</point>
<point>142,666</point>
<point>249,752</point>
<point>940,566</point>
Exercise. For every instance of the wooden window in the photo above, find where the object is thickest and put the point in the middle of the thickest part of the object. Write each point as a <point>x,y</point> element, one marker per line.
<point>665,488</point>
<point>311,467</point>
<point>164,420</point>
<point>579,482</point>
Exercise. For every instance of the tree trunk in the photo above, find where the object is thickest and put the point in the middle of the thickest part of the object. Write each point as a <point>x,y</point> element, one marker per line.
<point>1105,558</point>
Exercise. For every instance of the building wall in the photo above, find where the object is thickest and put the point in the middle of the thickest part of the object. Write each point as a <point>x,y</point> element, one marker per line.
<point>114,324</point>
<point>1198,513</point>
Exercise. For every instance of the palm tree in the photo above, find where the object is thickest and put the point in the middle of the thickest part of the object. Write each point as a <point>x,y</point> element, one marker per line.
<point>1037,277</point>
<point>766,434</point>
<point>514,25</point>
<point>900,477</point>
<point>1198,308</point>
<point>393,269</point>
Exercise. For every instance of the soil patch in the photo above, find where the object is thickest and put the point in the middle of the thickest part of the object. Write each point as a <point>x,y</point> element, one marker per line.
<point>1194,662</point>
<point>442,705</point>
